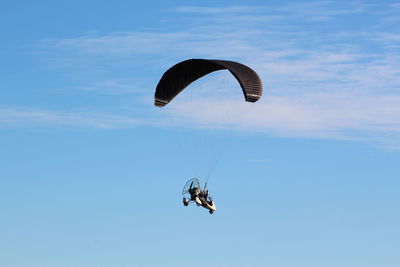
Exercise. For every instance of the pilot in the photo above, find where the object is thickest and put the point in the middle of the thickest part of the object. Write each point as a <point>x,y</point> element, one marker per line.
<point>194,192</point>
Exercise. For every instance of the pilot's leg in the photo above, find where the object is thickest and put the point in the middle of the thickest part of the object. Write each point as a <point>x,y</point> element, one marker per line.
<point>198,201</point>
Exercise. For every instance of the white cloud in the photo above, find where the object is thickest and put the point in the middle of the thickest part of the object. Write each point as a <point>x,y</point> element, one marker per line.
<point>220,10</point>
<point>339,84</point>
<point>28,117</point>
<point>115,87</point>
<point>312,115</point>
<point>123,43</point>
<point>310,11</point>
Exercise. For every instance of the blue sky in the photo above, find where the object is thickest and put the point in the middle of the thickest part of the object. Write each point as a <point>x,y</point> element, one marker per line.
<point>91,172</point>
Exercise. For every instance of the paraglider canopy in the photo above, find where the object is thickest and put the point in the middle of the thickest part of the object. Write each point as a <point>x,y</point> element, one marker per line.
<point>179,76</point>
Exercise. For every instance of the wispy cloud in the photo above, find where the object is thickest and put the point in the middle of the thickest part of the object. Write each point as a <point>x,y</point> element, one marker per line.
<point>111,87</point>
<point>318,115</point>
<point>337,83</point>
<point>28,117</point>
<point>324,10</point>
<point>311,11</point>
<point>123,43</point>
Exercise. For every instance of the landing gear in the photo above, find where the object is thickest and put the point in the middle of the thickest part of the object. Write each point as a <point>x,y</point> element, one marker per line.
<point>210,211</point>
<point>185,202</point>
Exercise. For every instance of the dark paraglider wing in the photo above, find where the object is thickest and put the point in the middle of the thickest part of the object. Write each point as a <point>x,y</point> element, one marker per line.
<point>179,76</point>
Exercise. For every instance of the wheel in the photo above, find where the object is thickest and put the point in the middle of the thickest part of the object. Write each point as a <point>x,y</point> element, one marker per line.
<point>185,202</point>
<point>210,211</point>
